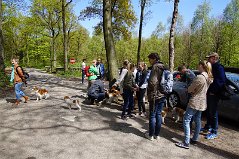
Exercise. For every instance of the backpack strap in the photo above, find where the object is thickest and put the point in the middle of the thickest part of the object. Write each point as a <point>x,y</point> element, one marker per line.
<point>18,72</point>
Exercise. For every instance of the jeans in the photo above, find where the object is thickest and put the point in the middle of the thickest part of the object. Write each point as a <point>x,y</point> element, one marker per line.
<point>196,114</point>
<point>155,118</point>
<point>18,91</point>
<point>212,114</point>
<point>128,101</point>
<point>140,95</point>
<point>83,76</point>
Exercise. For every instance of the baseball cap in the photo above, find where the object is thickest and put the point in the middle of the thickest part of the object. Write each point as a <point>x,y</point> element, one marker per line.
<point>214,54</point>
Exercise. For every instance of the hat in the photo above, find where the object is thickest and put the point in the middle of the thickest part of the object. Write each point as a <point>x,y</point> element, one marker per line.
<point>214,54</point>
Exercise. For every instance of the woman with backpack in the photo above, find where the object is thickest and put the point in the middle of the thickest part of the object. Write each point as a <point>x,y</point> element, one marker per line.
<point>141,81</point>
<point>197,103</point>
<point>129,87</point>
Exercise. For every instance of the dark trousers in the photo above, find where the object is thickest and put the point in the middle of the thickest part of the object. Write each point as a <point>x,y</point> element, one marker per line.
<point>128,101</point>
<point>83,76</point>
<point>212,114</point>
<point>140,96</point>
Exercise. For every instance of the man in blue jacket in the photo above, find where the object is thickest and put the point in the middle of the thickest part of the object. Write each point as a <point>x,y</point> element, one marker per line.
<point>101,69</point>
<point>219,80</point>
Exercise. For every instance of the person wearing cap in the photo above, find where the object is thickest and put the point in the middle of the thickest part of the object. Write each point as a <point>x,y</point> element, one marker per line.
<point>219,81</point>
<point>155,97</point>
<point>101,69</point>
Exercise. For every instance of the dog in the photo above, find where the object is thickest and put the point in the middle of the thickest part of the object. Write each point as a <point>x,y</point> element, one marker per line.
<point>164,113</point>
<point>178,113</point>
<point>71,102</point>
<point>111,95</point>
<point>40,93</point>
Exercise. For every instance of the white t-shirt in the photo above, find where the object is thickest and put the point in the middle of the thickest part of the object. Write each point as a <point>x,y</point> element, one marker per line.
<point>83,65</point>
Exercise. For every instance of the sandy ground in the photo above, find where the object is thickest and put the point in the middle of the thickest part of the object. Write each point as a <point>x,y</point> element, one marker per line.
<point>48,129</point>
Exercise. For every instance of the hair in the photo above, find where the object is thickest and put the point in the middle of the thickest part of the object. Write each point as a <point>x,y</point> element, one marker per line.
<point>144,65</point>
<point>130,66</point>
<point>126,63</point>
<point>15,59</point>
<point>207,67</point>
<point>180,68</point>
<point>154,55</point>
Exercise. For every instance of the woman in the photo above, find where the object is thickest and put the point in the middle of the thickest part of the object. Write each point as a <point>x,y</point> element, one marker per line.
<point>122,74</point>
<point>129,87</point>
<point>197,103</point>
<point>141,81</point>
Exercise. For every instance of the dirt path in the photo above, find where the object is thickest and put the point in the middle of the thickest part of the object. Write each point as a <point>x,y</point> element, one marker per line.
<point>44,129</point>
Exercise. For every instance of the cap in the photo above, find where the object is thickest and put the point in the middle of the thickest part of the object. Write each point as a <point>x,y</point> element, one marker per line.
<point>214,54</point>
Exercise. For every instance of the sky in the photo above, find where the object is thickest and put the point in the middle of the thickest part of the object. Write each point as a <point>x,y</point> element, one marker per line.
<point>160,12</point>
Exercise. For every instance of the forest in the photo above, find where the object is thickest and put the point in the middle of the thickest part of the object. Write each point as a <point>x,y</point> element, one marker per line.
<point>49,33</point>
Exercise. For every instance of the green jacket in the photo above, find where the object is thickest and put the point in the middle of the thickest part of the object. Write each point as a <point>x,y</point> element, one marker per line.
<point>93,70</point>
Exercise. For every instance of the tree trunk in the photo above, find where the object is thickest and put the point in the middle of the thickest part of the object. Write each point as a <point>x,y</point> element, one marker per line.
<point>109,41</point>
<point>171,37</point>
<point>140,29</point>
<point>64,35</point>
<point>2,66</point>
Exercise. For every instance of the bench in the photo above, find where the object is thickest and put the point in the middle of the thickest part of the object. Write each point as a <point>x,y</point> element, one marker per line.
<point>59,69</point>
<point>75,68</point>
<point>47,68</point>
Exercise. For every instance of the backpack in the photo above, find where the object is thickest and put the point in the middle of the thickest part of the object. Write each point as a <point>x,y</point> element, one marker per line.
<point>25,74</point>
<point>87,73</point>
<point>166,82</point>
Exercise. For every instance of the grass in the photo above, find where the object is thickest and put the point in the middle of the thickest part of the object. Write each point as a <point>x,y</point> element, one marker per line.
<point>69,74</point>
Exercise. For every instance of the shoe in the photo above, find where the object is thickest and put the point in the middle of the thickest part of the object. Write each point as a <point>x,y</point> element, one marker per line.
<point>205,130</point>
<point>182,145</point>
<point>211,136</point>
<point>148,137</point>
<point>131,116</point>
<point>16,103</point>
<point>26,98</point>
<point>193,142</point>
<point>156,137</point>
<point>124,117</point>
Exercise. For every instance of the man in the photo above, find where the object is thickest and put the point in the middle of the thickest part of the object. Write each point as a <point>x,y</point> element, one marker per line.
<point>187,74</point>
<point>93,73</point>
<point>101,69</point>
<point>18,81</point>
<point>155,97</point>
<point>96,92</point>
<point>83,65</point>
<point>219,79</point>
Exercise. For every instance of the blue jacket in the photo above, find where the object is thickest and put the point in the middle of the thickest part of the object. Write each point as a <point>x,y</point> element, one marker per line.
<point>101,69</point>
<point>219,78</point>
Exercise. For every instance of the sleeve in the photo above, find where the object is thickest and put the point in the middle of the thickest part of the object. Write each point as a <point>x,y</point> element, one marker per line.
<point>195,85</point>
<point>152,83</point>
<point>143,79</point>
<point>218,82</point>
<point>122,75</point>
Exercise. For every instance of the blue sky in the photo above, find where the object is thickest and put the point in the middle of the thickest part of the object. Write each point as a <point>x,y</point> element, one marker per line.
<point>161,10</point>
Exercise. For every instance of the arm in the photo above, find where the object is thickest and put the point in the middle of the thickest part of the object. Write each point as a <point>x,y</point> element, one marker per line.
<point>218,82</point>
<point>152,83</point>
<point>122,75</point>
<point>196,83</point>
<point>144,76</point>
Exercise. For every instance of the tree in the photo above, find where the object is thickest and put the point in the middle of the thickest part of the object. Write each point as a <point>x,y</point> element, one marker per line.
<point>109,41</point>
<point>171,36</point>
<point>159,30</point>
<point>1,41</point>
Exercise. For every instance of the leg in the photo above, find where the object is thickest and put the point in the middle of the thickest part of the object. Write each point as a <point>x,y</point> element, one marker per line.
<point>139,104</point>
<point>126,102</point>
<point>186,123</point>
<point>83,76</point>
<point>151,119</point>
<point>143,99</point>
<point>197,119</point>
<point>131,102</point>
<point>158,109</point>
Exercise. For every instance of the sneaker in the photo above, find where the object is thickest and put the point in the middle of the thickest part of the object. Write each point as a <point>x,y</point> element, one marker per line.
<point>156,137</point>
<point>182,145</point>
<point>211,136</point>
<point>193,142</point>
<point>205,130</point>
<point>148,137</point>
<point>131,116</point>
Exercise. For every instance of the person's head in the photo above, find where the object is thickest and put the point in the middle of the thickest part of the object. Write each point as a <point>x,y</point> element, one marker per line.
<point>213,57</point>
<point>182,69</point>
<point>84,60</point>
<point>125,63</point>
<point>205,66</point>
<point>142,66</point>
<point>153,58</point>
<point>15,61</point>
<point>94,62</point>
<point>98,61</point>
<point>131,67</point>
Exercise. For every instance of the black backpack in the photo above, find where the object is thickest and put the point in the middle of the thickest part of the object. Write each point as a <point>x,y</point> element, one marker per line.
<point>25,74</point>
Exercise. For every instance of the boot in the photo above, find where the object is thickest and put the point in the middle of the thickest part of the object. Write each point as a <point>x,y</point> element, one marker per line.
<point>26,98</point>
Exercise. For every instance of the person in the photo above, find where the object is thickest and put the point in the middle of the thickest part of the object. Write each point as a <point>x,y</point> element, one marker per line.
<point>187,74</point>
<point>93,73</point>
<point>83,65</point>
<point>156,99</point>
<point>219,81</point>
<point>101,69</point>
<point>18,82</point>
<point>123,72</point>
<point>197,103</point>
<point>96,92</point>
<point>129,87</point>
<point>141,81</point>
